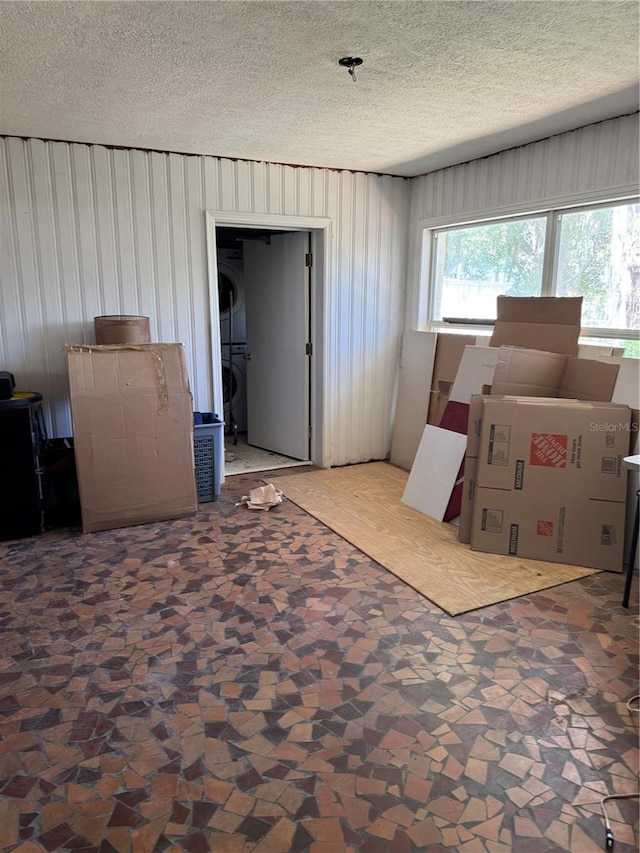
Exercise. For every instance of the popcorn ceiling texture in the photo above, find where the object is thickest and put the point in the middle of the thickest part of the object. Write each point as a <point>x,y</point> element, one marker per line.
<point>442,82</point>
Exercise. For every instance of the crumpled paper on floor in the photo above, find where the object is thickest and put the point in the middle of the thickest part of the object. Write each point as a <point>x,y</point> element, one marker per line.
<point>264,497</point>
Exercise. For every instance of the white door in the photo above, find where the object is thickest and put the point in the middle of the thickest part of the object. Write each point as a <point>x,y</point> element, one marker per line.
<point>276,284</point>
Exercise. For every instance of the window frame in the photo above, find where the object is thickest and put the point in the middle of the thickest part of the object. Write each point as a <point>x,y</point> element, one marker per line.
<point>553,214</point>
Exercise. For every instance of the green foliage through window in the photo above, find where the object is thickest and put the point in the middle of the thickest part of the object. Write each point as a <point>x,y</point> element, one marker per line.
<point>595,254</point>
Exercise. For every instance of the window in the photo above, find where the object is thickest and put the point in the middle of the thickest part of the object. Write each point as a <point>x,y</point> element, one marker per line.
<point>590,252</point>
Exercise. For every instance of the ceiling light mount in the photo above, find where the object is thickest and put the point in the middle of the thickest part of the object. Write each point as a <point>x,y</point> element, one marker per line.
<point>351,63</point>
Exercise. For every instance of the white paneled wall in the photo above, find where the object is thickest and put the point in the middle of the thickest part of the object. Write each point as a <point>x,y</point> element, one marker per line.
<point>88,230</point>
<point>571,168</point>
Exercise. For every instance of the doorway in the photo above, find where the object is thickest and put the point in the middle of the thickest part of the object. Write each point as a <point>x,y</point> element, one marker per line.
<point>266,312</point>
<point>263,295</point>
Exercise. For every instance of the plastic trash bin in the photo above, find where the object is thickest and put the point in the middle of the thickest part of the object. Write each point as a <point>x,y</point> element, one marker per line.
<point>208,450</point>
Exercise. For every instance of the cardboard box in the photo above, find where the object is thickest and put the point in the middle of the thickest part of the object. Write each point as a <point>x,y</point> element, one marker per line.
<point>548,323</point>
<point>132,417</point>
<point>560,528</point>
<point>469,485</point>
<point>627,391</point>
<point>474,429</point>
<point>550,483</point>
<point>527,372</point>
<point>533,373</point>
<point>541,444</point>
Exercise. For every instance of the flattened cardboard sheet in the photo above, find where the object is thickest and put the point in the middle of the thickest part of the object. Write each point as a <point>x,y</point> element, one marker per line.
<point>412,406</point>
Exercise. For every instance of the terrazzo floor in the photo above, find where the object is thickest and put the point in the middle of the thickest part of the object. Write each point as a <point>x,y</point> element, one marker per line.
<point>248,681</point>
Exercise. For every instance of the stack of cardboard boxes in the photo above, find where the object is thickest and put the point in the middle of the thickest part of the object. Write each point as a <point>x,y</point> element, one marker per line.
<point>543,474</point>
<point>544,479</point>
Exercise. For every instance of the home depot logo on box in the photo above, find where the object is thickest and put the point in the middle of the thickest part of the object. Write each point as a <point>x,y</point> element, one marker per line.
<point>548,450</point>
<point>544,528</point>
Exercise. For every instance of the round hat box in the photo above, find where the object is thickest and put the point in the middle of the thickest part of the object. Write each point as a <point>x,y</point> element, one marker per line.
<point>122,329</point>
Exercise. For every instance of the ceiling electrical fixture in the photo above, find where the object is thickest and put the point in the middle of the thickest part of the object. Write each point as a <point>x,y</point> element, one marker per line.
<point>351,63</point>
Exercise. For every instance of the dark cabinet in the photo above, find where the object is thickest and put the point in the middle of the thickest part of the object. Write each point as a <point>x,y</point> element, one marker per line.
<point>22,439</point>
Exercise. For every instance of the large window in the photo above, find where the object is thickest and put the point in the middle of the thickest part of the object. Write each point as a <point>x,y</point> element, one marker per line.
<point>591,252</point>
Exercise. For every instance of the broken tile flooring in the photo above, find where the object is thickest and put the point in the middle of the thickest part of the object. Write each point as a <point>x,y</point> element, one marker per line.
<point>248,681</point>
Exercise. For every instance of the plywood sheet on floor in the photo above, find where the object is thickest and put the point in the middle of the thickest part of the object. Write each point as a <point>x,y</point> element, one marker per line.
<point>362,503</point>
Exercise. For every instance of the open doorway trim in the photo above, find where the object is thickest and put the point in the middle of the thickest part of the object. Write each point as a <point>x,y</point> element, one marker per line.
<point>320,232</point>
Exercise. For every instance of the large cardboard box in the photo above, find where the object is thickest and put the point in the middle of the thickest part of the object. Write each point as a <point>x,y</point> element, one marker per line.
<point>545,444</point>
<point>522,372</point>
<point>133,434</point>
<point>550,483</point>
<point>548,323</point>
<point>557,527</point>
<point>533,373</point>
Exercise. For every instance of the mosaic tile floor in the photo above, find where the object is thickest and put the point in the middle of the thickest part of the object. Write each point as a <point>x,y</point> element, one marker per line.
<point>248,681</point>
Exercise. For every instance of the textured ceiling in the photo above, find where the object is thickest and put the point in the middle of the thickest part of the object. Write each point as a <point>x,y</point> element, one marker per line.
<point>442,82</point>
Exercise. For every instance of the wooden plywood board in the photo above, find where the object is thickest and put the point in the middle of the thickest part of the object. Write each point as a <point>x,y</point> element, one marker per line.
<point>362,503</point>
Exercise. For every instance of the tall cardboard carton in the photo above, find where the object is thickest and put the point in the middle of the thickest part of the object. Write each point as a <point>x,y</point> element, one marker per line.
<point>133,434</point>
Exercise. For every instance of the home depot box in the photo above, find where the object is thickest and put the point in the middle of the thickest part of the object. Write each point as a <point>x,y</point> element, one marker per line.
<point>537,443</point>
<point>133,433</point>
<point>550,483</point>
<point>561,527</point>
<point>504,476</point>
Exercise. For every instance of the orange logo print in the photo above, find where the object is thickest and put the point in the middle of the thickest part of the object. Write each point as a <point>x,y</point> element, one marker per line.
<point>545,528</point>
<point>548,450</point>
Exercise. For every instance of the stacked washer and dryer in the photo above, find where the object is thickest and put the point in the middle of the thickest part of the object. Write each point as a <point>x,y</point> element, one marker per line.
<point>233,334</point>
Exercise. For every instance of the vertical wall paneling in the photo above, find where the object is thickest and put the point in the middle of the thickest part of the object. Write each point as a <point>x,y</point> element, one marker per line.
<point>228,186</point>
<point>180,272</point>
<point>12,310</point>
<point>90,302</point>
<point>123,227</point>
<point>30,344</point>
<point>258,183</point>
<point>588,164</point>
<point>199,335</point>
<point>162,249</point>
<point>88,230</point>
<point>143,237</point>
<point>342,309</point>
<point>243,183</point>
